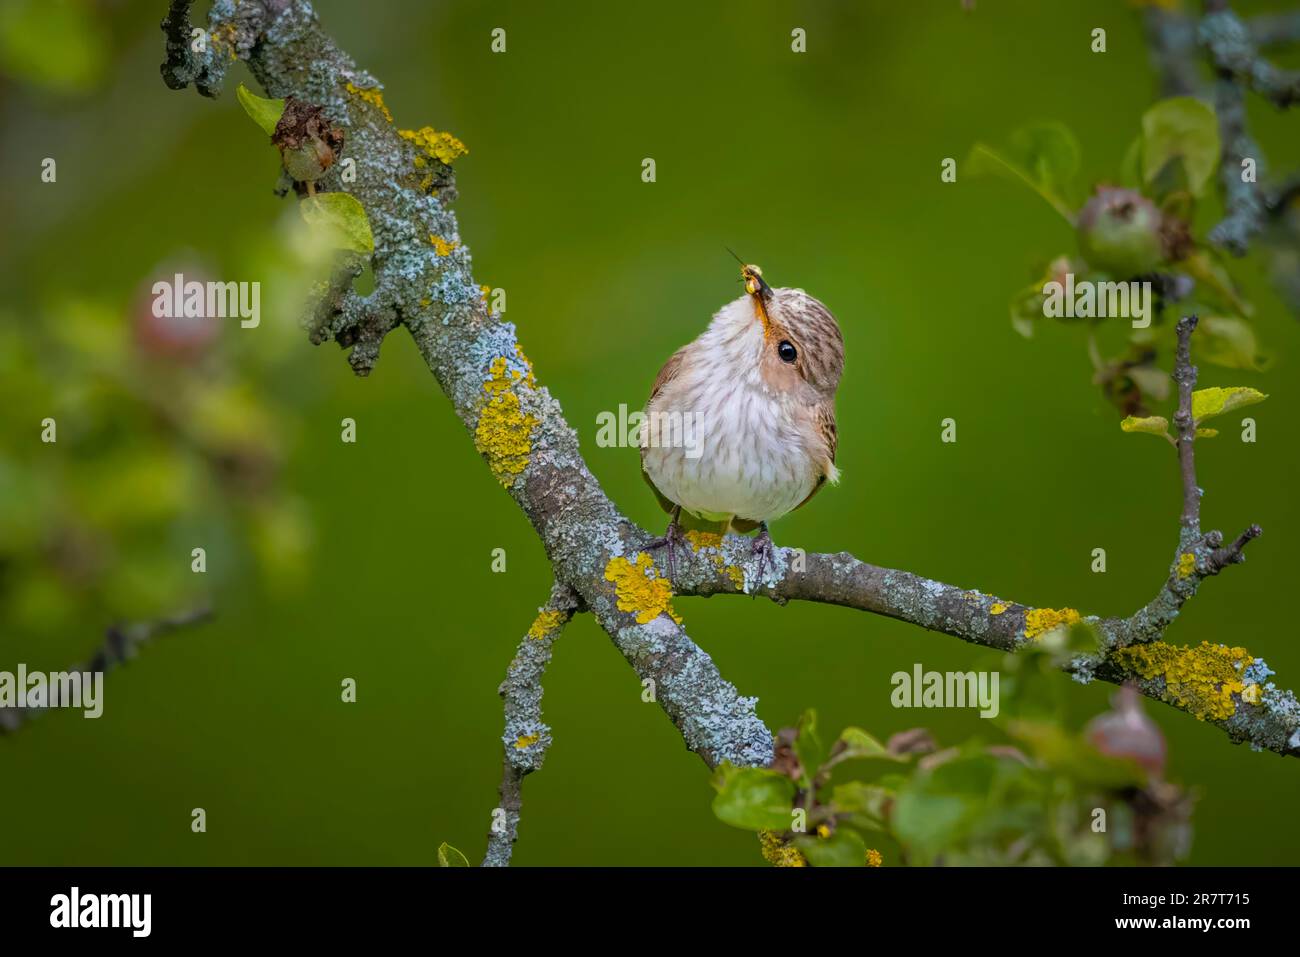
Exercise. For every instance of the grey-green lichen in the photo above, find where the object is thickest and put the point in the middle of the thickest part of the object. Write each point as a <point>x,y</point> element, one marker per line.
<point>526,737</point>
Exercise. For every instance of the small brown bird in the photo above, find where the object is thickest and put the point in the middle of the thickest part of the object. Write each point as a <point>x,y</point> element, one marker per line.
<point>740,426</point>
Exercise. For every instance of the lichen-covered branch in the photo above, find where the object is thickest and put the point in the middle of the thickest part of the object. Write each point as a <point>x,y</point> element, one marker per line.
<point>1274,29</point>
<point>1171,37</point>
<point>1235,54</point>
<point>1263,715</point>
<point>527,737</point>
<point>1282,195</point>
<point>121,643</point>
<point>1243,200</point>
<point>1233,49</point>
<point>1225,686</point>
<point>424,282</point>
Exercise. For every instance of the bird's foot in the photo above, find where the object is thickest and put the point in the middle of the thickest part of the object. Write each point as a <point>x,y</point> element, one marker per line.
<point>671,538</point>
<point>763,548</point>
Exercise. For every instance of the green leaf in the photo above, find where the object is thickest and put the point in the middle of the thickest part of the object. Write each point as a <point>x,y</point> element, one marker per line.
<point>859,744</point>
<point>1155,424</point>
<point>855,744</point>
<point>1208,271</point>
<point>1028,304</point>
<point>1051,154</point>
<point>1180,129</point>
<point>984,161</point>
<point>1152,381</point>
<point>807,746</point>
<point>343,216</point>
<point>265,113</point>
<point>754,799</point>
<point>844,848</point>
<point>868,804</point>
<point>1084,638</point>
<point>1075,756</point>
<point>925,820</point>
<point>1027,308</point>
<point>1228,341</point>
<point>1207,403</point>
<point>448,856</point>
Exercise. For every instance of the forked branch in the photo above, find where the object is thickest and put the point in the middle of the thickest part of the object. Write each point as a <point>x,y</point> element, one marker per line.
<point>423,281</point>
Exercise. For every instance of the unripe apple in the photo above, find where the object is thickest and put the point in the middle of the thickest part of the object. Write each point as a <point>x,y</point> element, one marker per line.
<point>308,162</point>
<point>309,143</point>
<point>1119,232</point>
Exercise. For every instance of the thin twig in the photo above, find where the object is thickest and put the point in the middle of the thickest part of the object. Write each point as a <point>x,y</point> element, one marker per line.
<point>121,643</point>
<point>527,738</point>
<point>1185,425</point>
<point>1274,29</point>
<point>1235,54</point>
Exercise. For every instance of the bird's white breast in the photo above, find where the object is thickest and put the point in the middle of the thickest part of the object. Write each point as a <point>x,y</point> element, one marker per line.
<point>741,450</point>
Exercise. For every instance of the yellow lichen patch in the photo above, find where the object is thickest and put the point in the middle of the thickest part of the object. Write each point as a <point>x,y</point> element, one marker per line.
<point>640,589</point>
<point>778,852</point>
<point>546,623</point>
<point>524,740</point>
<point>504,432</point>
<point>1250,694</point>
<point>712,541</point>
<point>1186,564</point>
<point>483,292</point>
<point>441,246</point>
<point>223,35</point>
<point>823,830</point>
<point>699,540</point>
<point>873,857</point>
<point>440,146</point>
<point>498,380</point>
<point>529,378</point>
<point>372,96</point>
<point>998,608</point>
<point>1039,621</point>
<point>426,301</point>
<point>1199,680</point>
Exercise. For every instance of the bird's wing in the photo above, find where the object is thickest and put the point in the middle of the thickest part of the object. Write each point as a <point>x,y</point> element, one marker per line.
<point>666,375</point>
<point>824,423</point>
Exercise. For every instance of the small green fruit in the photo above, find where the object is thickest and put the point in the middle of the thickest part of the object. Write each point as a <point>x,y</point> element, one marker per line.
<point>309,144</point>
<point>308,162</point>
<point>1119,232</point>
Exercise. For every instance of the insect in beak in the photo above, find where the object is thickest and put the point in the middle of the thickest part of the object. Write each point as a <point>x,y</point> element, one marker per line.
<point>752,276</point>
<point>757,287</point>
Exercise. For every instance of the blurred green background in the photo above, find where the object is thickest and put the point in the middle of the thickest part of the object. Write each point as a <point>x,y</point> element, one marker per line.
<point>822,167</point>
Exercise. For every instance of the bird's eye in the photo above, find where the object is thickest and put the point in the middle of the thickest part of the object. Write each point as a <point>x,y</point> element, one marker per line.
<point>786,351</point>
